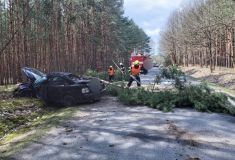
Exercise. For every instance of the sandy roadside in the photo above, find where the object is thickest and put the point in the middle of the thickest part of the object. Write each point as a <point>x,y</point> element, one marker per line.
<point>221,76</point>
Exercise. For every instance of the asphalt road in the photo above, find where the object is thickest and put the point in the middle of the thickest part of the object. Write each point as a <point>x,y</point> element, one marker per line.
<point>108,130</point>
<point>149,78</point>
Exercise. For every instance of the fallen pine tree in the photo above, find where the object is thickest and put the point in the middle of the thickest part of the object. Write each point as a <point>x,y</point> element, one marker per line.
<point>181,95</point>
<point>199,97</point>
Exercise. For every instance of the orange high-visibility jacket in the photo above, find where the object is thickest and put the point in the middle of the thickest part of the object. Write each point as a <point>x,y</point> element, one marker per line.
<point>135,71</point>
<point>111,71</point>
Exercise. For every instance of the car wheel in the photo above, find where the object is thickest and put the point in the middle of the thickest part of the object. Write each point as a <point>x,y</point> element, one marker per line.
<point>97,99</point>
<point>68,100</point>
<point>16,93</point>
<point>27,93</point>
<point>22,93</point>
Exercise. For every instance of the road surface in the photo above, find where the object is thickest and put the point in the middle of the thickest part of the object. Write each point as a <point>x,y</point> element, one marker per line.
<point>149,78</point>
<point>108,130</point>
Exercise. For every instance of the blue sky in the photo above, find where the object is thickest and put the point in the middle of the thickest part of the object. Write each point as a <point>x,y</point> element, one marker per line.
<point>151,15</point>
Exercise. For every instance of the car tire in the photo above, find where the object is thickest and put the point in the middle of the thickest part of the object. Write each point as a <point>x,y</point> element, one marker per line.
<point>27,93</point>
<point>16,93</point>
<point>97,99</point>
<point>23,93</point>
<point>68,100</point>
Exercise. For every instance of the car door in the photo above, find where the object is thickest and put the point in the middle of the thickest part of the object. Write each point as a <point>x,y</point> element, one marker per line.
<point>56,88</point>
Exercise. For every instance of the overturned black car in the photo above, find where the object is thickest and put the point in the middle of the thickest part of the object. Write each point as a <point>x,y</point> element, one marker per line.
<point>59,87</point>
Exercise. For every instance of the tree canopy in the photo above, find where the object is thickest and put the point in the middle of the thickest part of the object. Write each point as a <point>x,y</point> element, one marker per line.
<point>65,35</point>
<point>201,33</point>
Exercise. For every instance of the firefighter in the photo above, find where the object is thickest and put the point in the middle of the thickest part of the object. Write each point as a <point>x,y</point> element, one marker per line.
<point>111,73</point>
<point>134,75</point>
<point>123,69</point>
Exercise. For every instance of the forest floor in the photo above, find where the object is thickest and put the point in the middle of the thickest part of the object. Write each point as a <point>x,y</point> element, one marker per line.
<point>25,119</point>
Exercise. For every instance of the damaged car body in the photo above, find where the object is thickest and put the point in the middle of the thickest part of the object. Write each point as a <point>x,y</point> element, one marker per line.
<point>59,87</point>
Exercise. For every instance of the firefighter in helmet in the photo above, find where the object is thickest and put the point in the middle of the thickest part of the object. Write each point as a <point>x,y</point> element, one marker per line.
<point>134,75</point>
<point>111,73</point>
<point>123,69</point>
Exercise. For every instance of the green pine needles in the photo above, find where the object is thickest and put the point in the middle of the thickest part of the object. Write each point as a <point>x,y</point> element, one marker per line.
<point>200,97</point>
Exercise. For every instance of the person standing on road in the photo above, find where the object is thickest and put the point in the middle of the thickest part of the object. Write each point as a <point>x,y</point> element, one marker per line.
<point>134,75</point>
<point>111,73</point>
